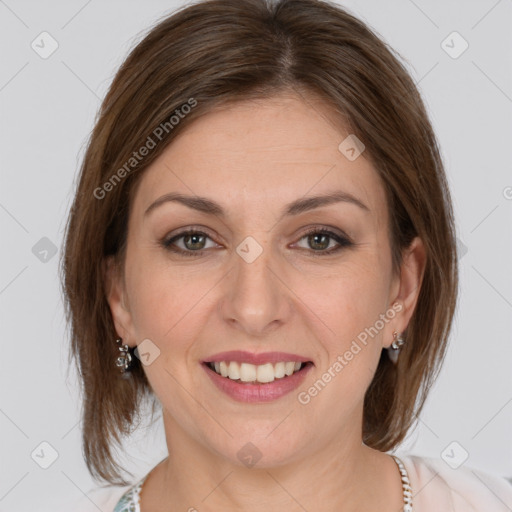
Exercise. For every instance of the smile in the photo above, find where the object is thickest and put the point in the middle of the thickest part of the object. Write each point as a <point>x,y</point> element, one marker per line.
<point>251,373</point>
<point>251,378</point>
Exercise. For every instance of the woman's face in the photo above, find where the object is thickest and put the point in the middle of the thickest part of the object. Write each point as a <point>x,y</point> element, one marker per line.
<point>255,283</point>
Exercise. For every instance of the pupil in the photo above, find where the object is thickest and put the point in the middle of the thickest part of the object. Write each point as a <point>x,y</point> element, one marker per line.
<point>194,237</point>
<point>323,246</point>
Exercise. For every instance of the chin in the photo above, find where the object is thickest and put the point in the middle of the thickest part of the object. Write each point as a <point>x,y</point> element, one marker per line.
<point>262,451</point>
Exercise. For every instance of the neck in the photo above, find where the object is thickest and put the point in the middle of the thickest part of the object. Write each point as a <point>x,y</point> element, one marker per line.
<point>344,475</point>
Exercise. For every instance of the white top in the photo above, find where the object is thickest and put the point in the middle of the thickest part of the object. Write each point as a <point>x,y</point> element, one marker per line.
<point>436,487</point>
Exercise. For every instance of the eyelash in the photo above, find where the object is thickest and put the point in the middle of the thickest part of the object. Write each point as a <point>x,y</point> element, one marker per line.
<point>342,241</point>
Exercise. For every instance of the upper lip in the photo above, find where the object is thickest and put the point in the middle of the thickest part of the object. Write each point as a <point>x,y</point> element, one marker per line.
<point>242,356</point>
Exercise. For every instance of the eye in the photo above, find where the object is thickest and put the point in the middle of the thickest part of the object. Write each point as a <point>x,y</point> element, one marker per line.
<point>318,239</point>
<point>193,240</point>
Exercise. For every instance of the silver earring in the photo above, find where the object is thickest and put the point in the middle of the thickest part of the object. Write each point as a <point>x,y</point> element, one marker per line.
<point>123,362</point>
<point>394,349</point>
<point>398,341</point>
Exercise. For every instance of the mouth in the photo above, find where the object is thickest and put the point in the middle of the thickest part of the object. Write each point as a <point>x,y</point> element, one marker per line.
<point>256,378</point>
<point>247,373</point>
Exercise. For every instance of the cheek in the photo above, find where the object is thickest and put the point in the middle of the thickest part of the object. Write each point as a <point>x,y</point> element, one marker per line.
<point>169,306</point>
<point>351,353</point>
<point>161,296</point>
<point>346,300</point>
<point>347,309</point>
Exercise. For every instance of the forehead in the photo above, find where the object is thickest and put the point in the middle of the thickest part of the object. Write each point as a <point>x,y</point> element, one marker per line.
<point>262,154</point>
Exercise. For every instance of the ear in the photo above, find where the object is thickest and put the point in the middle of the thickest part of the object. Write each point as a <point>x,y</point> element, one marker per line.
<point>406,287</point>
<point>117,300</point>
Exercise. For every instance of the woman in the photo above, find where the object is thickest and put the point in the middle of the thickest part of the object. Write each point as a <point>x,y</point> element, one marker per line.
<point>262,242</point>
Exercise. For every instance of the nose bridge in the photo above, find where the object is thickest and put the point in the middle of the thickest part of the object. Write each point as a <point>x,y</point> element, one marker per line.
<point>256,298</point>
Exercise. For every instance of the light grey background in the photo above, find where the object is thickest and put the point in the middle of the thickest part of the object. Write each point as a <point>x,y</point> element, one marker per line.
<point>47,111</point>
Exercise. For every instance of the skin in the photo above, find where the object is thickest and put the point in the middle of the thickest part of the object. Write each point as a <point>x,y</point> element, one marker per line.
<point>253,158</point>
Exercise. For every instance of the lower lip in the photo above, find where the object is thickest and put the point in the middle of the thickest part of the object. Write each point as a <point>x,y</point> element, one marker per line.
<point>244,392</point>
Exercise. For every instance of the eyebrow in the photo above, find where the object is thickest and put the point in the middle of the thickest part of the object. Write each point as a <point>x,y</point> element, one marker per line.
<point>208,206</point>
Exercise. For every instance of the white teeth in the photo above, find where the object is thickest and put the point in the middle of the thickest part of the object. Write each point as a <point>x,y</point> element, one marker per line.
<point>263,373</point>
<point>233,370</point>
<point>279,370</point>
<point>247,372</point>
<point>288,368</point>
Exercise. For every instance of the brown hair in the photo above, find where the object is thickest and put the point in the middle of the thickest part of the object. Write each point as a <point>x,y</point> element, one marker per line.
<point>212,53</point>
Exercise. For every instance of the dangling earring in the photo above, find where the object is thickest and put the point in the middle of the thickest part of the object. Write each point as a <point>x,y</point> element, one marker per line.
<point>394,349</point>
<point>124,361</point>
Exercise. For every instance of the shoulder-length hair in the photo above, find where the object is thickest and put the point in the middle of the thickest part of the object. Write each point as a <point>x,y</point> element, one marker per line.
<point>211,53</point>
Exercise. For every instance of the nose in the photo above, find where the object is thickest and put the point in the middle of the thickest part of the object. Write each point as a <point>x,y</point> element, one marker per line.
<point>256,299</point>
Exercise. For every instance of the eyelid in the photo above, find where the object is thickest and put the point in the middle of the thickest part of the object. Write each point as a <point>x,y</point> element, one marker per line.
<point>197,229</point>
<point>327,228</point>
